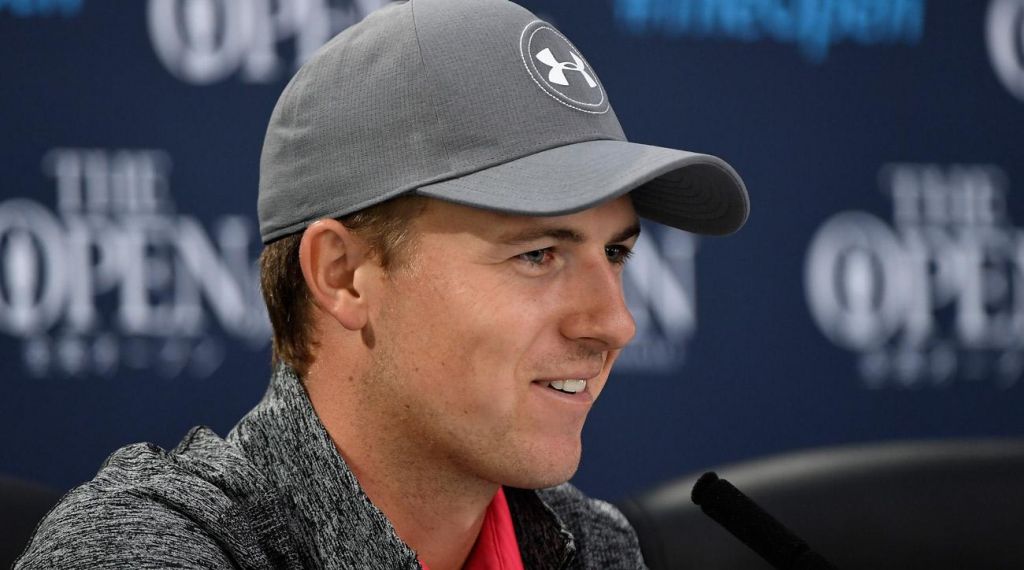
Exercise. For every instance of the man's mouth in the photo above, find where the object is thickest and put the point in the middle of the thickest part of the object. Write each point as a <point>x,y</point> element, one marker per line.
<point>572,386</point>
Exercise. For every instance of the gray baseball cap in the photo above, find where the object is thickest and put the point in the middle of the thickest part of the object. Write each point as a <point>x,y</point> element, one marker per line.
<point>475,102</point>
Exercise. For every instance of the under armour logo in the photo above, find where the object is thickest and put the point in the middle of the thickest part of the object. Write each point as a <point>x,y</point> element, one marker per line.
<point>557,73</point>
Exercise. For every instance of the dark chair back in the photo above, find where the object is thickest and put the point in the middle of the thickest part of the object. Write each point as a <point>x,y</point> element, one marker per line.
<point>22,506</point>
<point>918,505</point>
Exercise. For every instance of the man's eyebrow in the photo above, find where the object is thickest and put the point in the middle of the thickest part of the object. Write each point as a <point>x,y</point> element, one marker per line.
<point>630,232</point>
<point>561,234</point>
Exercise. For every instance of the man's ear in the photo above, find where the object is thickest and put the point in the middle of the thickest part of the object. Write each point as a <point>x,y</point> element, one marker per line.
<point>329,255</point>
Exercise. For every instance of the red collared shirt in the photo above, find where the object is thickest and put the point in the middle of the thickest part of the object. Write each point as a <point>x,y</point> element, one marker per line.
<point>496,547</point>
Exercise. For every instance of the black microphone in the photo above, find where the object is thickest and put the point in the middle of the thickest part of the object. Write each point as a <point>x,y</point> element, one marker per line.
<point>724,503</point>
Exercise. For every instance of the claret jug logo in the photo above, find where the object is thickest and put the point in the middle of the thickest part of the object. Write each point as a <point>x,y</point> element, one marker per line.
<point>933,298</point>
<point>205,41</point>
<point>115,279</point>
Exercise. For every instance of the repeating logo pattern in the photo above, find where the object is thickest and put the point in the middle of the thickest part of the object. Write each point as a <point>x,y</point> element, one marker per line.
<point>41,8</point>
<point>114,279</point>
<point>813,25</point>
<point>1005,39</point>
<point>660,288</point>
<point>206,41</point>
<point>934,298</point>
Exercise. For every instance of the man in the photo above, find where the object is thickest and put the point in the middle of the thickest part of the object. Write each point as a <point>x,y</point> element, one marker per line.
<point>447,201</point>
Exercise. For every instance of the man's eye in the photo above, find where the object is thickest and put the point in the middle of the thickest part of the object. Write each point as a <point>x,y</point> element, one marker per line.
<point>536,257</point>
<point>618,254</point>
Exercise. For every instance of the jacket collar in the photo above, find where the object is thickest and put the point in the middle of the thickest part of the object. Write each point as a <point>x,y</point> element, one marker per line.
<point>549,542</point>
<point>331,519</point>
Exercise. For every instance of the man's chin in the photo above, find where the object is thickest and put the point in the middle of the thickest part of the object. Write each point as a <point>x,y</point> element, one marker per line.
<point>544,473</point>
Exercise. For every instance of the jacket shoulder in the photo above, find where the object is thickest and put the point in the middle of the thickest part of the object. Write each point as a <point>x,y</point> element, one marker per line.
<point>201,505</point>
<point>603,536</point>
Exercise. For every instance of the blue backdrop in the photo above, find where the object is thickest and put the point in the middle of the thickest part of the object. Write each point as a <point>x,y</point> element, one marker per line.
<point>877,292</point>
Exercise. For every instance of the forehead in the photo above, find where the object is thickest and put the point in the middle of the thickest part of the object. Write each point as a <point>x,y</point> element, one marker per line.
<point>597,222</point>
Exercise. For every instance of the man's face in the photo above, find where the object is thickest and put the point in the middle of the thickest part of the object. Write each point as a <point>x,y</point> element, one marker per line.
<point>490,310</point>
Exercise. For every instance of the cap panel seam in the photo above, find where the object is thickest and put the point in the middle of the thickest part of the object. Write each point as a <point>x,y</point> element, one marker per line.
<point>433,86</point>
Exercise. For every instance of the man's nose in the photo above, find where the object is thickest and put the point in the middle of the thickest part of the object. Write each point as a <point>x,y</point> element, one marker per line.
<point>598,310</point>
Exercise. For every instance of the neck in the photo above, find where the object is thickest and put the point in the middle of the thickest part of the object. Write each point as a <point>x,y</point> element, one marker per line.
<point>434,509</point>
<point>438,519</point>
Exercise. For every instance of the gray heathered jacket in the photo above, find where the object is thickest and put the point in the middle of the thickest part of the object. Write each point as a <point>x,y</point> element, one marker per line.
<point>276,494</point>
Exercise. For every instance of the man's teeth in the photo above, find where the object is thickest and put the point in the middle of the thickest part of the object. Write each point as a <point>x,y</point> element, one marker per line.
<point>568,386</point>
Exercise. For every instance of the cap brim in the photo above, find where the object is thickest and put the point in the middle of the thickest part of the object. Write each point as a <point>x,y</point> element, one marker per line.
<point>694,192</point>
